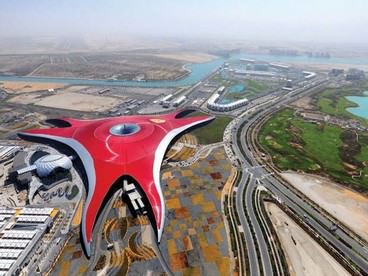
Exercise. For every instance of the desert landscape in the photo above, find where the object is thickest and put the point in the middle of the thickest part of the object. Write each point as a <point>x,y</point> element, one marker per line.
<point>303,254</point>
<point>77,101</point>
<point>103,65</point>
<point>348,206</point>
<point>15,87</point>
<point>188,56</point>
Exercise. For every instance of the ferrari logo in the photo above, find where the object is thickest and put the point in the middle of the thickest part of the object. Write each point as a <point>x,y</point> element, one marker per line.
<point>158,121</point>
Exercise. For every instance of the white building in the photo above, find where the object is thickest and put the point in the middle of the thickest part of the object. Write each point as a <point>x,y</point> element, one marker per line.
<point>179,101</point>
<point>213,103</point>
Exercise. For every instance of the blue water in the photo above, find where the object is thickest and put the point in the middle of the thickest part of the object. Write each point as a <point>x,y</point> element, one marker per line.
<point>362,101</point>
<point>198,71</point>
<point>237,88</point>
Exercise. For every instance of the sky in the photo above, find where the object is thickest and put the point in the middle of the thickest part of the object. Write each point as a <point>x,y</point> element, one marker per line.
<point>336,21</point>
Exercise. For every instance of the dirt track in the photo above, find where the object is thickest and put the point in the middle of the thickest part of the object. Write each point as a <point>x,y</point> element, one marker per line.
<point>80,102</point>
<point>304,255</point>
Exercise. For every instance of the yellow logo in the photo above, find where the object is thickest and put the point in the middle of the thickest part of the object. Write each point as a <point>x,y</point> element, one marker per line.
<point>158,121</point>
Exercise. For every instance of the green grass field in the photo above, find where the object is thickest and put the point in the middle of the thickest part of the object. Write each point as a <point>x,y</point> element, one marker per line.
<point>323,145</point>
<point>213,132</point>
<point>295,144</point>
<point>332,101</point>
<point>363,155</point>
<point>253,87</point>
<point>234,96</point>
<point>326,105</point>
<point>275,138</point>
<point>222,81</point>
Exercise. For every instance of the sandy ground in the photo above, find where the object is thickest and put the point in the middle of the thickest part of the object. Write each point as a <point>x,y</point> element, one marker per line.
<point>328,67</point>
<point>304,103</point>
<point>80,102</point>
<point>77,88</point>
<point>30,98</point>
<point>68,100</point>
<point>147,91</point>
<point>188,57</point>
<point>347,206</point>
<point>22,87</point>
<point>304,255</point>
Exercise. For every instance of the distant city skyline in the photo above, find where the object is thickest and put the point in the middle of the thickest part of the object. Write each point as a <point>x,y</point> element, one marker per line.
<point>339,21</point>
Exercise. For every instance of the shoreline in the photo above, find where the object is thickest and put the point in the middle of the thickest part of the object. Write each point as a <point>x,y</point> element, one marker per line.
<point>178,82</point>
<point>360,107</point>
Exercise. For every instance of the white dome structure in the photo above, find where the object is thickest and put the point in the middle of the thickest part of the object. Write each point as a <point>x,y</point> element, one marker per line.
<point>48,163</point>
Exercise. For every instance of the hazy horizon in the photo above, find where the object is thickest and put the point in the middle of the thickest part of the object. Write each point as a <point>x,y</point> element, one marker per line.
<point>328,21</point>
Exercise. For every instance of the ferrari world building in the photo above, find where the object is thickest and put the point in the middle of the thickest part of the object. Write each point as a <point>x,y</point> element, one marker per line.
<point>118,153</point>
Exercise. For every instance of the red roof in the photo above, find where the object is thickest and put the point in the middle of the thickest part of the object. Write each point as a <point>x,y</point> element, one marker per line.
<point>122,146</point>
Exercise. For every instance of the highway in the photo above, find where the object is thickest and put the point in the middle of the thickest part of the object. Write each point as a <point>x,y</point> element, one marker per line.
<point>261,262</point>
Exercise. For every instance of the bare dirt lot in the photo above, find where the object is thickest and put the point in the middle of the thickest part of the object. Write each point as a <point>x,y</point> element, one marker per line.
<point>110,65</point>
<point>303,254</point>
<point>78,101</point>
<point>68,100</point>
<point>305,103</point>
<point>327,67</point>
<point>77,88</point>
<point>145,91</point>
<point>13,120</point>
<point>29,98</point>
<point>188,57</point>
<point>22,87</point>
<point>349,207</point>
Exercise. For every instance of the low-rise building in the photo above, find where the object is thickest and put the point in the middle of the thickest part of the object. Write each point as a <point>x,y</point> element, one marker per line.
<point>21,232</point>
<point>355,74</point>
<point>213,102</point>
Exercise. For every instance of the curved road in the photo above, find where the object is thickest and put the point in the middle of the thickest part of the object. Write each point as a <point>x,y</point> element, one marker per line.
<point>257,244</point>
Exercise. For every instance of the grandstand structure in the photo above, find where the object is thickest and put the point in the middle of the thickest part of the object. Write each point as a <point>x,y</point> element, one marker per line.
<point>214,103</point>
